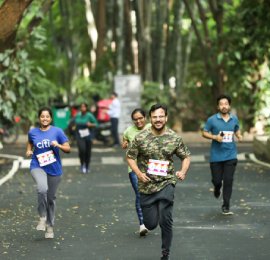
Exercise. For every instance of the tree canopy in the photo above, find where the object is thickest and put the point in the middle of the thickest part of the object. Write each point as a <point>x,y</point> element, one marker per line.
<point>186,52</point>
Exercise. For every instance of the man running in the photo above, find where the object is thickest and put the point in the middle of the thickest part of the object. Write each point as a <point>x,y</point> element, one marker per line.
<point>150,156</point>
<point>221,129</point>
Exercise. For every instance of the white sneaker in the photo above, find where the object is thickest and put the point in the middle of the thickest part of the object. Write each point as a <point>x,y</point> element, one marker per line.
<point>41,226</point>
<point>143,230</point>
<point>49,232</point>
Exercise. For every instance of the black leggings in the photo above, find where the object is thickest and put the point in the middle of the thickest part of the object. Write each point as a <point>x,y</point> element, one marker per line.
<point>222,175</point>
<point>85,148</point>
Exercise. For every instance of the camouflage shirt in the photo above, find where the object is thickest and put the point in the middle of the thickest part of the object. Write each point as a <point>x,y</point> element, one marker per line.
<point>147,146</point>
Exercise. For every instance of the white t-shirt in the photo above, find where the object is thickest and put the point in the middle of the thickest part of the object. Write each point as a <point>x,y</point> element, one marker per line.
<point>115,108</point>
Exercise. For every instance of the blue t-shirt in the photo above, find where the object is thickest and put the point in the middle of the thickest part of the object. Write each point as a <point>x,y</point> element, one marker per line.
<point>46,156</point>
<point>227,149</point>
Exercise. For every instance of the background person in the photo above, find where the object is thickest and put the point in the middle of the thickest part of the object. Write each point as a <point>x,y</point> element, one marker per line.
<point>114,113</point>
<point>43,145</point>
<point>221,129</point>
<point>139,119</point>
<point>150,156</point>
<point>84,122</point>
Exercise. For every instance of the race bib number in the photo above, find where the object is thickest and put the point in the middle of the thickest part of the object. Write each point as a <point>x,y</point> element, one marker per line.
<point>227,137</point>
<point>46,158</point>
<point>84,132</point>
<point>157,167</point>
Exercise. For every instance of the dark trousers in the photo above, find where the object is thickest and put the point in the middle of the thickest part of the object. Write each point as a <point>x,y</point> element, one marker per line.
<point>222,175</point>
<point>114,130</point>
<point>85,149</point>
<point>157,209</point>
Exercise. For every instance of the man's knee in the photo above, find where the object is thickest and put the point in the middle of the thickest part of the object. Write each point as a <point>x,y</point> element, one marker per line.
<point>150,225</point>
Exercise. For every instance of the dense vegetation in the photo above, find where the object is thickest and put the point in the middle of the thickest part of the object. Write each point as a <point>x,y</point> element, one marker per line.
<point>187,52</point>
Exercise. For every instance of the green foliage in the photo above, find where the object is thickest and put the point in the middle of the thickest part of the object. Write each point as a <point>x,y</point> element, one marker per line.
<point>86,90</point>
<point>247,54</point>
<point>23,86</point>
<point>58,50</point>
<point>154,93</point>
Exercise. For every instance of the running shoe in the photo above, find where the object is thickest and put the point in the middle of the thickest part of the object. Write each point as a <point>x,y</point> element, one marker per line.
<point>143,230</point>
<point>41,226</point>
<point>165,255</point>
<point>49,232</point>
<point>226,211</point>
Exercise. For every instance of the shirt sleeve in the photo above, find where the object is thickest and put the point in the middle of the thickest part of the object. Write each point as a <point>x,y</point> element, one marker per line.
<point>61,137</point>
<point>208,125</point>
<point>182,150</point>
<point>30,139</point>
<point>125,135</point>
<point>133,151</point>
<point>93,119</point>
<point>237,127</point>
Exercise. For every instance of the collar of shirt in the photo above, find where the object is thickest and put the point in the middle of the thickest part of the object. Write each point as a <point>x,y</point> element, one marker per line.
<point>220,117</point>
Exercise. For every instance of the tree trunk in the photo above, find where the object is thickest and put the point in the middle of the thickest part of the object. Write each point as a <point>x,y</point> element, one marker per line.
<point>147,7</point>
<point>119,35</point>
<point>101,28</point>
<point>139,36</point>
<point>179,64</point>
<point>129,57</point>
<point>11,13</point>
<point>161,39</point>
<point>210,49</point>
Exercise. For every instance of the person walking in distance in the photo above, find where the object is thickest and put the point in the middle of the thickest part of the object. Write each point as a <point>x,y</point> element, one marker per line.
<point>221,128</point>
<point>138,117</point>
<point>114,113</point>
<point>84,122</point>
<point>44,145</point>
<point>150,156</point>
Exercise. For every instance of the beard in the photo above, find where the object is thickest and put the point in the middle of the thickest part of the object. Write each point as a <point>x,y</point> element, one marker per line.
<point>224,111</point>
<point>158,128</point>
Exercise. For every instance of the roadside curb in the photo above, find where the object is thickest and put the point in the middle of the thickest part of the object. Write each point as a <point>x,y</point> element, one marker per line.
<point>15,166</point>
<point>20,162</point>
<point>253,158</point>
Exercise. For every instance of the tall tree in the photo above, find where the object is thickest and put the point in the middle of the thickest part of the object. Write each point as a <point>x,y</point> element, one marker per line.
<point>11,13</point>
<point>144,18</point>
<point>211,44</point>
<point>119,35</point>
<point>101,28</point>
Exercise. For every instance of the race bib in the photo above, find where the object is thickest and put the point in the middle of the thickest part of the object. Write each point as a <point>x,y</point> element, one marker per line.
<point>84,132</point>
<point>157,167</point>
<point>228,136</point>
<point>46,158</point>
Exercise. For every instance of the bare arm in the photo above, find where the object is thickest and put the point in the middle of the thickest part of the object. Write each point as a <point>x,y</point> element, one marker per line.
<point>90,125</point>
<point>239,135</point>
<point>65,147</point>
<point>181,174</point>
<point>29,149</point>
<point>133,165</point>
<point>210,136</point>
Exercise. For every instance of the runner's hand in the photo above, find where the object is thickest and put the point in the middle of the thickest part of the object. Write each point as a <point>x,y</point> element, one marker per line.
<point>55,144</point>
<point>142,177</point>
<point>29,153</point>
<point>218,138</point>
<point>180,175</point>
<point>124,144</point>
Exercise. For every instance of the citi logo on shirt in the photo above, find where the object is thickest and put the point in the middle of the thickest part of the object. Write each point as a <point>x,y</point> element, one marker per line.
<point>44,144</point>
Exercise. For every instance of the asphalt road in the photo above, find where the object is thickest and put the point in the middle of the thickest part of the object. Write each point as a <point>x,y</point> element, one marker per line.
<point>96,216</point>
